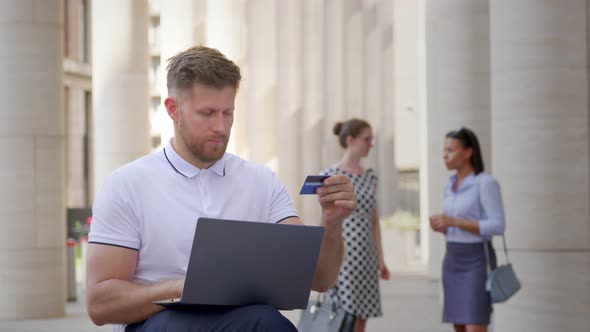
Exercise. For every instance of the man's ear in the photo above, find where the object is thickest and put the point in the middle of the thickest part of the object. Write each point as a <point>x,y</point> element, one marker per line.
<point>172,108</point>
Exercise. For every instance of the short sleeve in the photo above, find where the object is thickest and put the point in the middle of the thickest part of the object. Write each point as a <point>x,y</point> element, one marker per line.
<point>113,219</point>
<point>281,206</point>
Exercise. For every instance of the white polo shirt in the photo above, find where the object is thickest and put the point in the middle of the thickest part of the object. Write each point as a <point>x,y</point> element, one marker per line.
<point>152,205</point>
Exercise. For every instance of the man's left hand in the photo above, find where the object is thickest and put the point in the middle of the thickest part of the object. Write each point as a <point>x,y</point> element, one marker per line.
<point>337,200</point>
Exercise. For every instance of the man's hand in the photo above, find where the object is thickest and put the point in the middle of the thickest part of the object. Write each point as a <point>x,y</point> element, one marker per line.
<point>337,200</point>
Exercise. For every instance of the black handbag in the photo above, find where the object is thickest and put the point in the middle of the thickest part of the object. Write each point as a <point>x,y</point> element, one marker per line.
<point>325,316</point>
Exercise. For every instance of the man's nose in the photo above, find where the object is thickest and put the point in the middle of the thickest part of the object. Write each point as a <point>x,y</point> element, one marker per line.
<point>219,124</point>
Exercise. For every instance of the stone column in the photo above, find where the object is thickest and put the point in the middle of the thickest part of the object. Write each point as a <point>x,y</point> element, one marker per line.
<point>183,24</point>
<point>385,110</point>
<point>539,64</point>
<point>335,108</point>
<point>457,42</point>
<point>353,58</point>
<point>312,125</point>
<point>32,195</point>
<point>372,72</point>
<point>262,81</point>
<point>226,30</point>
<point>119,84</point>
<point>290,96</point>
<point>75,131</point>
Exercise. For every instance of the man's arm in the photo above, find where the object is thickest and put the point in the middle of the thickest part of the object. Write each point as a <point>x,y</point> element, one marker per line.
<point>111,297</point>
<point>338,201</point>
<point>330,259</point>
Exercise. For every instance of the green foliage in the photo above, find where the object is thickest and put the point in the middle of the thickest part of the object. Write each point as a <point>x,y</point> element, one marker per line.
<point>79,229</point>
<point>401,220</point>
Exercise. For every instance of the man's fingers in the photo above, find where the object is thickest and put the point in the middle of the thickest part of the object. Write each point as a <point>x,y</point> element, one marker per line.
<point>342,195</point>
<point>351,205</point>
<point>334,189</point>
<point>336,179</point>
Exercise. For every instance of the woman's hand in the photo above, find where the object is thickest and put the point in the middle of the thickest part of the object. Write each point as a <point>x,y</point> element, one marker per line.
<point>383,271</point>
<point>440,222</point>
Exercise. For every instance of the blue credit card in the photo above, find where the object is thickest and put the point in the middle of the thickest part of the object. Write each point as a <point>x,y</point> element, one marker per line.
<point>312,183</point>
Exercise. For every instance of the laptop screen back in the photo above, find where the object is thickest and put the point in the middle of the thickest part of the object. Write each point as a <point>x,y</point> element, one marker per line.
<point>242,263</point>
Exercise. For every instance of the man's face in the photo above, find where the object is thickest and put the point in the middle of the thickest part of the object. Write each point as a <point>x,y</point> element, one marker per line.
<point>203,123</point>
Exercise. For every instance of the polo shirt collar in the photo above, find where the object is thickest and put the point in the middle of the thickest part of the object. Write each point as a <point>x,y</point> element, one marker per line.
<point>187,169</point>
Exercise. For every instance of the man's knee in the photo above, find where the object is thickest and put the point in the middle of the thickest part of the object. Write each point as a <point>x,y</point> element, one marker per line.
<point>264,318</point>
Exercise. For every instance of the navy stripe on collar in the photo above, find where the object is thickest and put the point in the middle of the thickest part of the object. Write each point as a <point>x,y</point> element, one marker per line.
<point>177,171</point>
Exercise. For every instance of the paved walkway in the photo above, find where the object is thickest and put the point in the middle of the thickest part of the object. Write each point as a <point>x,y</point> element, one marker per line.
<point>410,304</point>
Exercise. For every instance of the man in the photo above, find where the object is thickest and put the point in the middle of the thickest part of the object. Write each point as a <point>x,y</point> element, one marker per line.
<point>144,215</point>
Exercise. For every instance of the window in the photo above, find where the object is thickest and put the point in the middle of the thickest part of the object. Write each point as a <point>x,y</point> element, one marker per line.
<point>77,30</point>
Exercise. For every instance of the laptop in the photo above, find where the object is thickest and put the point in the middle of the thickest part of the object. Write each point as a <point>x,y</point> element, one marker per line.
<point>238,263</point>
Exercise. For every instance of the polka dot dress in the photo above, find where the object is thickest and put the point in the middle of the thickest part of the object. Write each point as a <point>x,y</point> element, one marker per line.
<point>358,280</point>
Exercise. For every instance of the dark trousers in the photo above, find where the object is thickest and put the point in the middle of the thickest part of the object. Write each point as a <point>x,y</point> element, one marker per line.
<point>204,319</point>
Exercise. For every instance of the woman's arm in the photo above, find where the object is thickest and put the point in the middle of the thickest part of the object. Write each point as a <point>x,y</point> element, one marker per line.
<point>383,270</point>
<point>466,225</point>
<point>492,222</point>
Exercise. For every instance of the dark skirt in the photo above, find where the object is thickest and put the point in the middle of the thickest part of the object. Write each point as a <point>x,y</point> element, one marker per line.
<point>466,301</point>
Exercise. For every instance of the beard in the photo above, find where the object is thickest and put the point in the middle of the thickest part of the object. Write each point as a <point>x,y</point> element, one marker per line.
<point>201,149</point>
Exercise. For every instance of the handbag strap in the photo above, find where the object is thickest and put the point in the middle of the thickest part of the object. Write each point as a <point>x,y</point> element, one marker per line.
<point>321,299</point>
<point>486,250</point>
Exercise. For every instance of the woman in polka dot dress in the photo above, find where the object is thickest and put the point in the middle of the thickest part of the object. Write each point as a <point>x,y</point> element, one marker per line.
<point>357,289</point>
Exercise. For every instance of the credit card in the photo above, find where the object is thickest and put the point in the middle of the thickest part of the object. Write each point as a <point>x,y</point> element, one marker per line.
<point>312,183</point>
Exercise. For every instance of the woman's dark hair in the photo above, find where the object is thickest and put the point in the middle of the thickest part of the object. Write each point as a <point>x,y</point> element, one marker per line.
<point>469,141</point>
<point>352,127</point>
